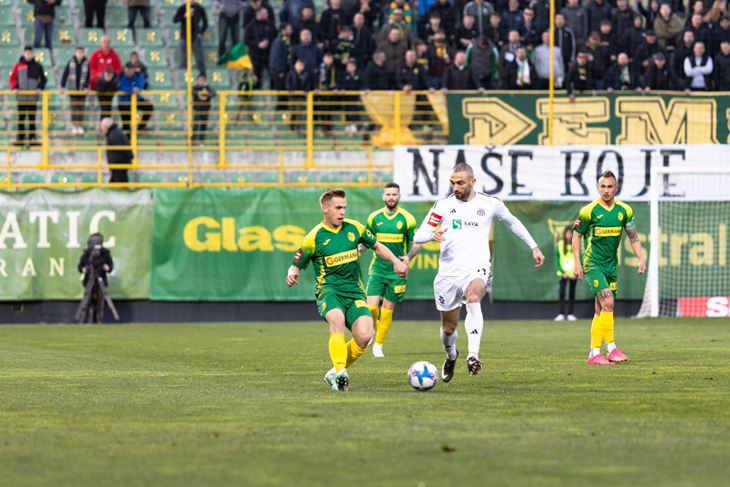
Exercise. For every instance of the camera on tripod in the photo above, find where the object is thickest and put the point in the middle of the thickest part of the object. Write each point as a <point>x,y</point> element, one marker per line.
<point>95,263</point>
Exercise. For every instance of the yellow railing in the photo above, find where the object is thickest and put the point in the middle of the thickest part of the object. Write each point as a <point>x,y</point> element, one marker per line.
<point>257,138</point>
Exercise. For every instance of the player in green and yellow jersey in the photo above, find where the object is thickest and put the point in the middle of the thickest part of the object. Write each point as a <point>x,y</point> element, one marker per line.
<point>332,248</point>
<point>602,223</point>
<point>393,227</point>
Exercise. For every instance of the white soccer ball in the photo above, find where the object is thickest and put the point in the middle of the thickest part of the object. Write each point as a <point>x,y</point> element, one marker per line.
<point>423,375</point>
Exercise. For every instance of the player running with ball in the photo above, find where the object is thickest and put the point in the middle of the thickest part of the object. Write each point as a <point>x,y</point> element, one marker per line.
<point>331,246</point>
<point>602,222</point>
<point>461,222</point>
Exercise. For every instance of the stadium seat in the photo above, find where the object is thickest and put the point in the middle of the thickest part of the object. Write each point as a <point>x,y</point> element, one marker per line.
<point>64,18</point>
<point>8,57</point>
<point>62,178</point>
<point>121,38</point>
<point>160,78</point>
<point>26,15</point>
<point>90,39</point>
<point>64,38</point>
<point>269,177</point>
<point>150,177</point>
<point>32,178</point>
<point>64,54</point>
<point>150,38</point>
<point>89,177</point>
<point>219,79</point>
<point>213,177</point>
<point>9,37</point>
<point>155,57</point>
<point>116,16</point>
<point>44,57</point>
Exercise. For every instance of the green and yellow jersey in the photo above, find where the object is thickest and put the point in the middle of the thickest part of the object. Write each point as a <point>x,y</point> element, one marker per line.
<point>333,253</point>
<point>602,228</point>
<point>393,230</point>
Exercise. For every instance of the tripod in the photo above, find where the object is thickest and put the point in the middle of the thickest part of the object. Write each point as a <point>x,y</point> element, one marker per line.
<point>95,295</point>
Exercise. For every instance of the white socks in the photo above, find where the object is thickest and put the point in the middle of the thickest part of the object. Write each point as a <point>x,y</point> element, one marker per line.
<point>474,324</point>
<point>594,352</point>
<point>449,342</point>
<point>610,347</point>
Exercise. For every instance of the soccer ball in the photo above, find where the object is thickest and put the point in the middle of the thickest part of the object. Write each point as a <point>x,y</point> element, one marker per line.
<point>422,376</point>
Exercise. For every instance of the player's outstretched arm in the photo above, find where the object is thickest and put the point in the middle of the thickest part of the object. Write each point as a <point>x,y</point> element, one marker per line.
<point>292,276</point>
<point>577,243</point>
<point>636,247</point>
<point>415,248</point>
<point>400,267</point>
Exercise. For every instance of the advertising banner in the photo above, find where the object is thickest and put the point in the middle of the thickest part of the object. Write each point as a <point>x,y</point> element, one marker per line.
<point>531,172</point>
<point>43,234</point>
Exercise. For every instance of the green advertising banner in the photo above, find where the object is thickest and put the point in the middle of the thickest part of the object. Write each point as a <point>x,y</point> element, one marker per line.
<point>219,245</point>
<point>497,119</point>
<point>43,234</point>
<point>515,276</point>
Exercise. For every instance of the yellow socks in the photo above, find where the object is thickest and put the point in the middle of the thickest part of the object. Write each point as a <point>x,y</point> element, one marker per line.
<point>354,352</point>
<point>596,331</point>
<point>386,319</point>
<point>374,311</point>
<point>607,326</point>
<point>338,351</point>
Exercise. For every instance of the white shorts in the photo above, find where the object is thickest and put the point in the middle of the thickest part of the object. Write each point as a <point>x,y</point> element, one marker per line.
<point>448,291</point>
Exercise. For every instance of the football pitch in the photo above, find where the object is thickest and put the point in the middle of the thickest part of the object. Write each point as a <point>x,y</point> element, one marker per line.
<point>244,404</point>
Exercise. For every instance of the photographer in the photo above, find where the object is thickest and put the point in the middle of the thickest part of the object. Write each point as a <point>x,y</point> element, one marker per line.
<point>96,261</point>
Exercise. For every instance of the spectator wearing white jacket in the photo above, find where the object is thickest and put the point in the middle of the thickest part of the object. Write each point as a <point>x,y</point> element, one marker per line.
<point>698,69</point>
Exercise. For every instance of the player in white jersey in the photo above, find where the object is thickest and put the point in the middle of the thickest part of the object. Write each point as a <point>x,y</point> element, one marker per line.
<point>461,222</point>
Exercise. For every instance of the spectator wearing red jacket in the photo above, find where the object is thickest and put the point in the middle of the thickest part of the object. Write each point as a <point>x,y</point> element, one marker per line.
<point>102,58</point>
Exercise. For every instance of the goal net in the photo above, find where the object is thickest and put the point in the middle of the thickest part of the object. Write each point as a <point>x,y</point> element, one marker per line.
<point>689,258</point>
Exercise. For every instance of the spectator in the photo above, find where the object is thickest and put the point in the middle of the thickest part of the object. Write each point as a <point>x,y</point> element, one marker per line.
<point>459,76</point>
<point>28,75</point>
<point>351,81</point>
<point>466,33</point>
<point>363,44</point>
<point>331,22</point>
<point>527,30</point>
<point>411,76</point>
<point>229,20</point>
<point>135,7</point>
<point>512,16</point>
<point>280,59</point>
<point>396,22</point>
<point>496,31</point>
<point>580,77</point>
<point>76,79</point>
<point>395,48</point>
<point>132,83</point>
<point>259,34</point>
<point>291,11</point>
<point>369,10</point>
<point>94,8</point>
<point>700,30</point>
<point>542,14</point>
<point>439,56</point>
<point>722,67</point>
<point>343,48</point>
<point>683,50</point>
<point>609,41</point>
<point>43,12</point>
<point>698,69</point>
<point>564,40</point>
<point>541,59</point>
<point>299,79</point>
<point>599,59</point>
<point>140,68</point>
<point>483,63</point>
<point>644,54</point>
<point>203,94</point>
<point>253,6</point>
<point>576,20</point>
<point>622,75</point>
<point>650,14</point>
<point>658,76</point>
<point>716,12</point>
<point>623,17</point>
<point>507,54</point>
<point>375,76</point>
<point>633,36</point>
<point>566,266</point>
<point>667,27</point>
<point>447,13</point>
<point>433,26</point>
<point>103,58</point>
<point>720,33</point>
<point>481,10</point>
<point>106,87</point>
<point>307,21</point>
<point>597,11</point>
<point>328,78</point>
<point>198,26</point>
<point>118,150</point>
<point>405,10</point>
<point>519,74</point>
<point>308,52</point>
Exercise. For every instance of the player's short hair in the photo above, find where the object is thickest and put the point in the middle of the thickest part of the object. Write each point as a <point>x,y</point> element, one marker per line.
<point>331,193</point>
<point>608,174</point>
<point>464,167</point>
<point>392,184</point>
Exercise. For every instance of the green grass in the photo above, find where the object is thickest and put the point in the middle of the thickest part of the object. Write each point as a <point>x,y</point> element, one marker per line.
<point>230,404</point>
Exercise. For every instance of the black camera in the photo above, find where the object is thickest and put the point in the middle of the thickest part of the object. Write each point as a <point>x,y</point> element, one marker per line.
<point>95,262</point>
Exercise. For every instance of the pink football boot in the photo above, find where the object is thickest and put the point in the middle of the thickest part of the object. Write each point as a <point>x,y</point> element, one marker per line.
<point>616,356</point>
<point>598,360</point>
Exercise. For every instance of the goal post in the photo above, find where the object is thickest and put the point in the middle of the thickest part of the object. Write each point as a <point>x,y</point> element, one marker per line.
<point>689,257</point>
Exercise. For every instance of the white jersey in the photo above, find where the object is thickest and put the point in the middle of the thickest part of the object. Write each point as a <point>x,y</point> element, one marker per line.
<point>467,224</point>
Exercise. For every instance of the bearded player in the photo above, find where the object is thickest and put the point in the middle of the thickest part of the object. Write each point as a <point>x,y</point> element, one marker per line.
<point>393,227</point>
<point>461,222</point>
<point>602,223</point>
<point>332,248</point>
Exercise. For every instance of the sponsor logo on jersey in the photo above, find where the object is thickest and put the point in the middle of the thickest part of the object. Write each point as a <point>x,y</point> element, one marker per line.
<point>359,303</point>
<point>620,216</point>
<point>453,210</point>
<point>613,286</point>
<point>598,217</point>
<point>595,282</point>
<point>608,232</point>
<point>434,219</point>
<point>298,256</point>
<point>399,289</point>
<point>577,223</point>
<point>399,225</point>
<point>326,241</point>
<point>351,236</point>
<point>390,237</point>
<point>378,224</point>
<point>341,258</point>
<point>458,224</point>
<point>481,212</point>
